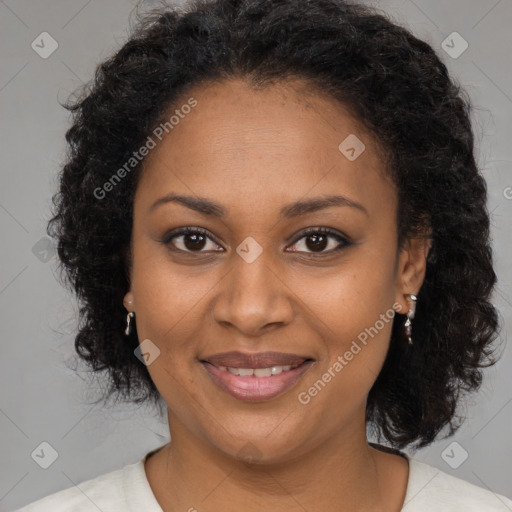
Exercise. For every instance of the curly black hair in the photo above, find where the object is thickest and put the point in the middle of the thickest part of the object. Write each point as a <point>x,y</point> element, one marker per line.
<point>392,82</point>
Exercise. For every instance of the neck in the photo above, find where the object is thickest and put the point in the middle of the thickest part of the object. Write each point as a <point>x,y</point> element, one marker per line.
<point>343,473</point>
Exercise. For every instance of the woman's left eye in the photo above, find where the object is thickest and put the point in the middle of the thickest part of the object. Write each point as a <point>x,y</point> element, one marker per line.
<point>321,240</point>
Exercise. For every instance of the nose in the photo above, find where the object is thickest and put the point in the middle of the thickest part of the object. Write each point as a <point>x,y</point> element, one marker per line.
<point>253,297</point>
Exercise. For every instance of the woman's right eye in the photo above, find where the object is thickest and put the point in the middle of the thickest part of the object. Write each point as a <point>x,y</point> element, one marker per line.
<point>190,240</point>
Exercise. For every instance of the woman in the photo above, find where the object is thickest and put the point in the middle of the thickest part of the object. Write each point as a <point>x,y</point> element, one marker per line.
<point>273,217</point>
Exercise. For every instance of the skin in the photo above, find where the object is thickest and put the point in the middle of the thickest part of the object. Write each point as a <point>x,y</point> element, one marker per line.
<point>255,151</point>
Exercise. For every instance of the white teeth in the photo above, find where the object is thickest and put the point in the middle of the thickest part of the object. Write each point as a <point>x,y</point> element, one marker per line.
<point>264,372</point>
<point>258,372</point>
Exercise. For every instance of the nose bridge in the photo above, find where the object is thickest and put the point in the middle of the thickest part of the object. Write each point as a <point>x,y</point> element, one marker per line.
<point>252,295</point>
<point>252,273</point>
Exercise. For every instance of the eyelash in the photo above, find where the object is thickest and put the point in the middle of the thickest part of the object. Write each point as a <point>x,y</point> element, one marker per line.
<point>343,241</point>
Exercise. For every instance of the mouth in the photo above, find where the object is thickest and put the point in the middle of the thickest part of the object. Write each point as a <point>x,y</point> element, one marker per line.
<point>256,377</point>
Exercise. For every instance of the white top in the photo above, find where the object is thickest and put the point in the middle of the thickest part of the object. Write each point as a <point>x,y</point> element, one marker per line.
<point>127,490</point>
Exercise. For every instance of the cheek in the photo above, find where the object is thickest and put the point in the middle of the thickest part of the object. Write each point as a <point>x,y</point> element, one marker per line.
<point>169,297</point>
<point>352,298</point>
<point>356,346</point>
<point>170,315</point>
<point>353,314</point>
<point>361,303</point>
<point>170,312</point>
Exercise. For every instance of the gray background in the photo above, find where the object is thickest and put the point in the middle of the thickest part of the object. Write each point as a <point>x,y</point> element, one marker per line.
<point>41,399</point>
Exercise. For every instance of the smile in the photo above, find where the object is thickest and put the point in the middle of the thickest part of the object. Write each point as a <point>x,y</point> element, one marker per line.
<point>256,384</point>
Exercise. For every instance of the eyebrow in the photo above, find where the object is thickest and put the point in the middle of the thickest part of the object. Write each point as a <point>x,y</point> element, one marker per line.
<point>208,207</point>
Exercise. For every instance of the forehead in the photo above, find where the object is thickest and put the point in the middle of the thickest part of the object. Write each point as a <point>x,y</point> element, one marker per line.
<point>275,143</point>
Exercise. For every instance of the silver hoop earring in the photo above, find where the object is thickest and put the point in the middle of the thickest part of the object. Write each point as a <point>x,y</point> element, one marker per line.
<point>410,316</point>
<point>128,329</point>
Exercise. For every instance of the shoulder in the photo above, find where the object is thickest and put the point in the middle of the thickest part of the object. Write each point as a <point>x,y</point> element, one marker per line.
<point>430,489</point>
<point>105,492</point>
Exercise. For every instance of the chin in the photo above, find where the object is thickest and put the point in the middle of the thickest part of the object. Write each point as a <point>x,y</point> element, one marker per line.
<point>261,450</point>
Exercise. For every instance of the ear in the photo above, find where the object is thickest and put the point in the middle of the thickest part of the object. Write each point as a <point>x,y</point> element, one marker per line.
<point>412,265</point>
<point>128,301</point>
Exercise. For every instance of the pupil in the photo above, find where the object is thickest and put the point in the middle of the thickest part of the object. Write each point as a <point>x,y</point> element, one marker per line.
<point>319,242</point>
<point>196,238</point>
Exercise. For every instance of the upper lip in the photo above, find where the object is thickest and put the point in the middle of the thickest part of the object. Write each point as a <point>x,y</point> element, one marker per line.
<point>236,359</point>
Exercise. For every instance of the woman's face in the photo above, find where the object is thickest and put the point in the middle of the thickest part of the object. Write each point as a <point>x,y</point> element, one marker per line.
<point>255,282</point>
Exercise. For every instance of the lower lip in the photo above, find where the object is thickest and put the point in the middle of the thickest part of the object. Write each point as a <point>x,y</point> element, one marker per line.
<point>254,389</point>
